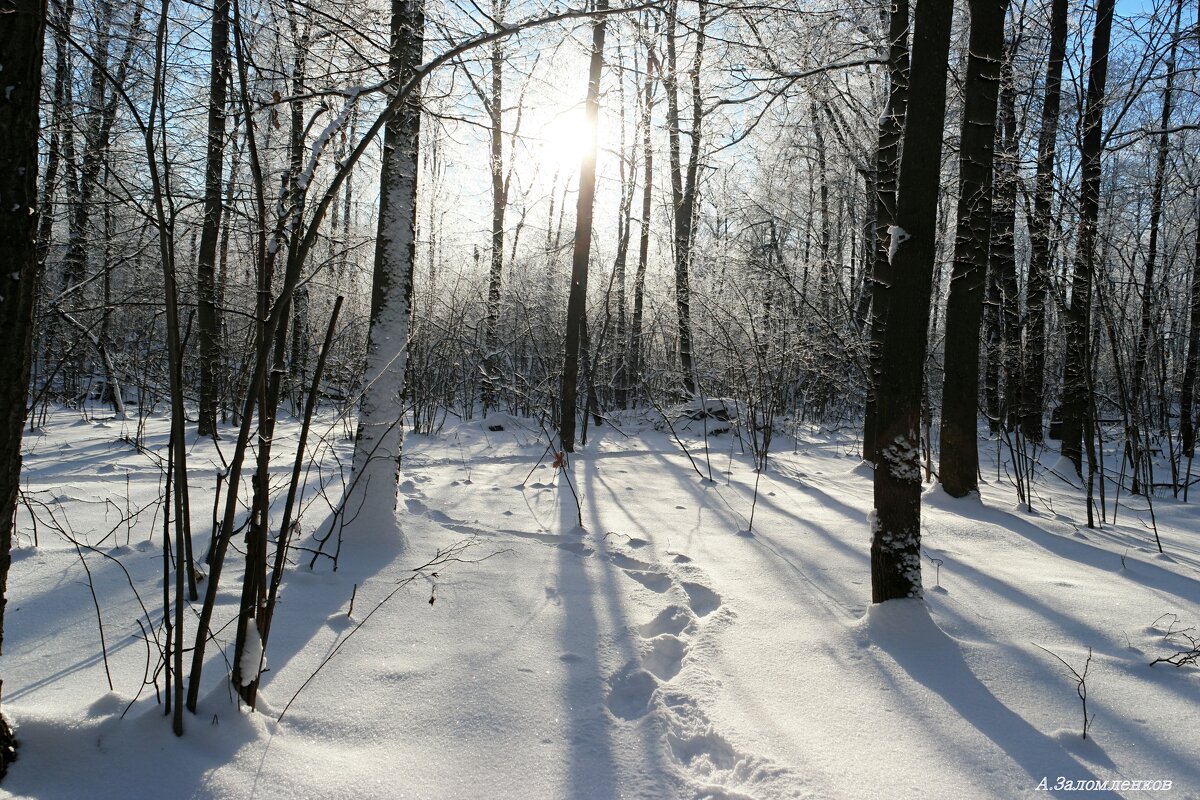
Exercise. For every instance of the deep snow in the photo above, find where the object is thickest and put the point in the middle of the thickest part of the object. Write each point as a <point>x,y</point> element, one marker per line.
<point>658,650</point>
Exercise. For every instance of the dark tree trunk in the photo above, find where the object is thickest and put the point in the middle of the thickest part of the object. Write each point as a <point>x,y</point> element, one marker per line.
<point>1041,228</point>
<point>95,138</point>
<point>58,121</point>
<point>825,276</point>
<point>21,41</point>
<point>620,264</point>
<point>301,345</point>
<point>293,368</point>
<point>97,120</point>
<point>1187,415</point>
<point>1004,255</point>
<point>495,108</point>
<point>992,334</point>
<point>964,308</point>
<point>896,526</point>
<point>1076,381</point>
<point>887,163</point>
<point>577,300</point>
<point>636,348</point>
<point>683,180</point>
<point>1133,441</point>
<point>621,261</point>
<point>208,323</point>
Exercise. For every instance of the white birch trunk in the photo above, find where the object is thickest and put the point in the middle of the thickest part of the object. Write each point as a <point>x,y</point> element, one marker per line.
<point>371,500</point>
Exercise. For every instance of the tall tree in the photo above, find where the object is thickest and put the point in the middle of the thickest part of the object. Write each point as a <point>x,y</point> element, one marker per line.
<point>627,163</point>
<point>21,42</point>
<point>636,347</point>
<point>1040,231</point>
<point>89,176</point>
<point>254,579</point>
<point>61,12</point>
<point>896,523</point>
<point>1133,443</point>
<point>577,299</point>
<point>378,443</point>
<point>684,176</point>
<point>208,324</point>
<point>887,165</point>
<point>1004,338</point>
<point>1076,375</point>
<point>494,102</point>
<point>1187,415</point>
<point>96,126</point>
<point>964,307</point>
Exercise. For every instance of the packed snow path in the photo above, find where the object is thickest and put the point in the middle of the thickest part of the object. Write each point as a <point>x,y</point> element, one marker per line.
<point>658,650</point>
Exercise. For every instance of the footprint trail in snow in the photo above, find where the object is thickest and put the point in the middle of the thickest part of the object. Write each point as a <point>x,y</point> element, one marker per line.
<point>657,688</point>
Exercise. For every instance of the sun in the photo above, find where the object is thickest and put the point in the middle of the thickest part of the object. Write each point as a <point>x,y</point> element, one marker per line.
<point>566,139</point>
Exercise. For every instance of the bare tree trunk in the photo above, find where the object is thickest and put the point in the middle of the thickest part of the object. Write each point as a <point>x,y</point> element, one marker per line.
<point>1133,443</point>
<point>825,240</point>
<point>683,179</point>
<point>21,42</point>
<point>377,446</point>
<point>254,580</point>
<point>992,336</point>
<point>208,323</point>
<point>1040,232</point>
<point>887,165</point>
<point>577,300</point>
<point>964,308</point>
<point>1003,255</point>
<point>62,13</point>
<point>636,346</point>
<point>94,143</point>
<point>1187,415</point>
<point>348,202</point>
<point>495,108</point>
<point>896,522</point>
<point>1078,323</point>
<point>295,366</point>
<point>620,262</point>
<point>158,162</point>
<point>98,118</point>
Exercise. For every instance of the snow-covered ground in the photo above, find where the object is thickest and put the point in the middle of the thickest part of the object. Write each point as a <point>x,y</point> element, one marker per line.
<point>660,649</point>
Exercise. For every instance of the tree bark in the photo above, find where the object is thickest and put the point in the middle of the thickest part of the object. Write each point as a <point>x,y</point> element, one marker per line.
<point>1078,323</point>
<point>896,524</point>
<point>97,120</point>
<point>95,138</point>
<point>58,121</point>
<point>620,339</point>
<point>1006,353</point>
<point>1133,443</point>
<point>21,42</point>
<point>887,164</point>
<point>1187,414</point>
<point>636,348</point>
<point>208,323</point>
<point>378,443</point>
<point>577,299</point>
<point>683,179</point>
<point>964,308</point>
<point>1041,228</point>
<point>495,107</point>
<point>254,579</point>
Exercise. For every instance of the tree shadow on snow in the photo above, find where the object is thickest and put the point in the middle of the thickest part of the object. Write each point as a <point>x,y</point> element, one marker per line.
<point>604,709</point>
<point>904,631</point>
<point>1074,549</point>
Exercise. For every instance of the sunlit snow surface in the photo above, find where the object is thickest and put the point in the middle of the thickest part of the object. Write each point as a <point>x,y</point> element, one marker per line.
<point>660,650</point>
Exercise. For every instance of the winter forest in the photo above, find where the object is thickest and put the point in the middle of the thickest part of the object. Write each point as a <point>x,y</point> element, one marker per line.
<point>586,399</point>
